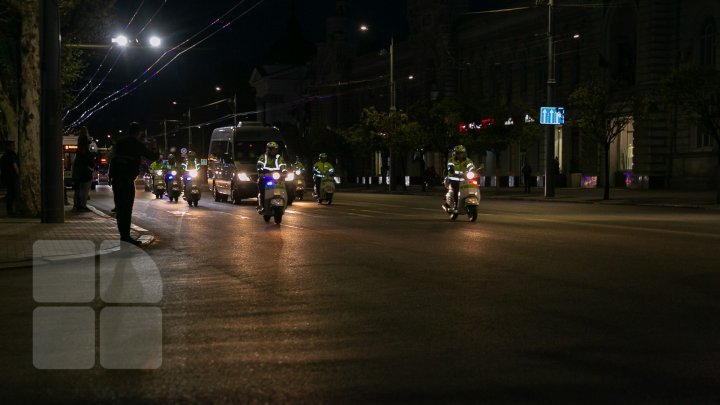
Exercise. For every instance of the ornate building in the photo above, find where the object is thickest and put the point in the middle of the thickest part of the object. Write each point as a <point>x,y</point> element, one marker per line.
<point>501,58</point>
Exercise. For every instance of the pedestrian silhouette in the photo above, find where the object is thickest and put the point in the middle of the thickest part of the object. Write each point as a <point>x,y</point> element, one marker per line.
<point>124,167</point>
<point>527,176</point>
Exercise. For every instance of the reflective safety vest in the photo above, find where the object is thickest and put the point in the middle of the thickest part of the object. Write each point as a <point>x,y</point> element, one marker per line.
<point>155,166</point>
<point>272,163</point>
<point>456,168</point>
<point>320,168</point>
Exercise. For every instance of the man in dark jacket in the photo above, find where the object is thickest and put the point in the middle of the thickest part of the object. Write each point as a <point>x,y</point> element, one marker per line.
<point>124,166</point>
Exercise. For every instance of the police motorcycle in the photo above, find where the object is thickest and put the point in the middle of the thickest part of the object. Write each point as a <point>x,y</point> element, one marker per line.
<point>158,177</point>
<point>295,184</point>
<point>173,181</point>
<point>468,196</point>
<point>192,192</point>
<point>191,180</point>
<point>274,199</point>
<point>327,187</point>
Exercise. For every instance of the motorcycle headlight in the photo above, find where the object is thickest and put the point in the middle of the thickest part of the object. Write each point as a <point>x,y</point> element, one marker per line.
<point>298,172</point>
<point>290,176</point>
<point>470,175</point>
<point>158,172</point>
<point>193,173</point>
<point>276,175</point>
<point>243,177</point>
<point>174,173</point>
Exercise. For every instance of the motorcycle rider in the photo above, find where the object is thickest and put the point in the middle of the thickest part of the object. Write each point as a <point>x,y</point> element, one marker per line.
<point>270,161</point>
<point>155,166</point>
<point>457,166</point>
<point>320,168</point>
<point>298,166</point>
<point>190,163</point>
<point>173,164</point>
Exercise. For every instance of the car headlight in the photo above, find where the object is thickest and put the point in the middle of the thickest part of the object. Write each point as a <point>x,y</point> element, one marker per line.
<point>243,177</point>
<point>276,175</point>
<point>158,172</point>
<point>298,172</point>
<point>290,176</point>
<point>470,175</point>
<point>193,173</point>
<point>174,173</point>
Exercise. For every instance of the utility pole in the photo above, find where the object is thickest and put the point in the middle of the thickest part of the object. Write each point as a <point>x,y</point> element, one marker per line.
<point>550,129</point>
<point>51,173</point>
<point>189,128</point>
<point>393,108</point>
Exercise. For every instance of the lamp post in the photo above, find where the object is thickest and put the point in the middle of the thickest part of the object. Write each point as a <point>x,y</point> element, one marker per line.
<point>393,105</point>
<point>550,129</point>
<point>225,100</point>
<point>165,145</point>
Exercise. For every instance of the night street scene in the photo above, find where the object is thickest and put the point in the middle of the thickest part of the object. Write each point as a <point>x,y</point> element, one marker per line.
<point>346,201</point>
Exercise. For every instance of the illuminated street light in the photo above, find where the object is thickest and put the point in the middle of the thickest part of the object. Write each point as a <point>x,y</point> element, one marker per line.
<point>120,40</point>
<point>218,88</point>
<point>155,41</point>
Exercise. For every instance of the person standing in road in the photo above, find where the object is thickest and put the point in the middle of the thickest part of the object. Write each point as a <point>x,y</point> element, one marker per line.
<point>527,176</point>
<point>10,174</point>
<point>125,165</point>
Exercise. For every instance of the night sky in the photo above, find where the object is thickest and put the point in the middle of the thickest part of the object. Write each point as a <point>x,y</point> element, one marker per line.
<point>226,59</point>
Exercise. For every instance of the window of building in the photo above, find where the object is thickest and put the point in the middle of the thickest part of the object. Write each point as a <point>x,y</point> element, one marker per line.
<point>708,44</point>
<point>701,137</point>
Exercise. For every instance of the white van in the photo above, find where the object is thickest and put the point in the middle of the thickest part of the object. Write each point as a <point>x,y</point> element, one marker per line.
<point>233,156</point>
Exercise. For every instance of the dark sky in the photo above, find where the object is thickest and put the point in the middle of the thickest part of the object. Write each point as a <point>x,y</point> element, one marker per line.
<point>226,59</point>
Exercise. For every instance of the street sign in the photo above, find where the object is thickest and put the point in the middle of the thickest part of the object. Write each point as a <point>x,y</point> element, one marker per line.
<point>552,115</point>
<point>183,151</point>
<point>203,162</point>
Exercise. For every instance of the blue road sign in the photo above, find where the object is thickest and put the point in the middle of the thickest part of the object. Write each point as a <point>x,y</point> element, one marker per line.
<point>552,115</point>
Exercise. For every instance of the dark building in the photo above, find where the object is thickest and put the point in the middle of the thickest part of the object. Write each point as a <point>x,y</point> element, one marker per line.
<point>501,58</point>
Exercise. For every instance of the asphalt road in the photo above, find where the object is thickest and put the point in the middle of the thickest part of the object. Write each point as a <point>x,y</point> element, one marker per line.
<point>382,298</point>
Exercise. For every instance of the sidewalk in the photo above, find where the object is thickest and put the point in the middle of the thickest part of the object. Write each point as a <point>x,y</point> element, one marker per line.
<point>618,196</point>
<point>18,234</point>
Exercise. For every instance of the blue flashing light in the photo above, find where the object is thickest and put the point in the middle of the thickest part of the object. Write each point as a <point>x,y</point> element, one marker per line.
<point>170,177</point>
<point>269,183</point>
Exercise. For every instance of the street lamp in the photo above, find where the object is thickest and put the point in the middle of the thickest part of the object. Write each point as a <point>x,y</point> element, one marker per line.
<point>165,145</point>
<point>393,105</point>
<point>225,100</point>
<point>120,40</point>
<point>155,41</point>
<point>550,129</point>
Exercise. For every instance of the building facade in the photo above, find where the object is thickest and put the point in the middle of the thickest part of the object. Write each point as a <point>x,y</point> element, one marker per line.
<point>502,58</point>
